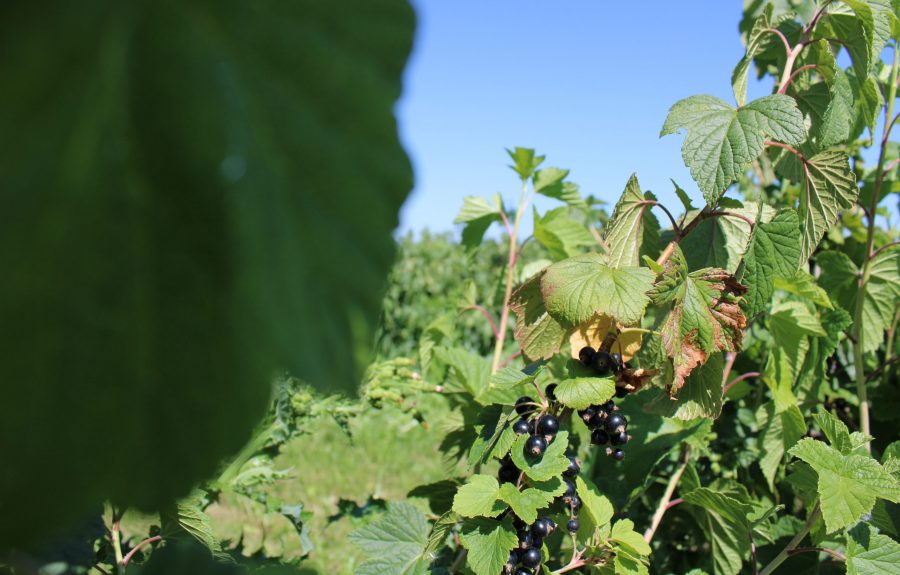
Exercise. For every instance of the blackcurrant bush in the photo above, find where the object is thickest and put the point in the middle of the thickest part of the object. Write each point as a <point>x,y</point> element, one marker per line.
<point>522,405</point>
<point>602,362</point>
<point>618,455</point>
<point>599,437</point>
<point>531,557</point>
<point>570,489</point>
<point>620,438</point>
<point>575,504</point>
<point>616,361</point>
<point>548,425</point>
<point>615,423</point>
<point>586,355</point>
<point>550,391</point>
<point>520,426</point>
<point>573,525</point>
<point>573,469</point>
<point>542,527</point>
<point>535,445</point>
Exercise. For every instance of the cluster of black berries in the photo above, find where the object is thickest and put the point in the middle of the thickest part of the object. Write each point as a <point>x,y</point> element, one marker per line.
<point>608,427</point>
<point>542,426</point>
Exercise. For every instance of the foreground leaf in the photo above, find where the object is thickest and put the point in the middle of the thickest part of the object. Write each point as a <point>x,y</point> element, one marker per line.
<point>871,553</point>
<point>724,522</point>
<point>478,497</point>
<point>829,188</point>
<point>538,334</point>
<point>629,225</point>
<point>489,543</point>
<point>774,252</point>
<point>547,466</point>
<point>395,544</point>
<point>581,392</point>
<point>182,221</point>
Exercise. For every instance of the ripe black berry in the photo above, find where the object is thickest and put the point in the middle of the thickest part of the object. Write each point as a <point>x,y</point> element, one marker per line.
<point>525,539</point>
<point>616,361</point>
<point>586,355</point>
<point>522,405</point>
<point>520,426</point>
<point>602,362</point>
<point>542,527</point>
<point>548,425</point>
<point>621,392</point>
<point>618,455</point>
<point>535,445</point>
<point>573,468</point>
<point>523,571</point>
<point>570,489</point>
<point>620,438</point>
<point>587,414</point>
<point>575,504</point>
<point>550,391</point>
<point>531,557</point>
<point>513,558</point>
<point>573,525</point>
<point>599,437</point>
<point>597,419</point>
<point>615,423</point>
<point>609,406</point>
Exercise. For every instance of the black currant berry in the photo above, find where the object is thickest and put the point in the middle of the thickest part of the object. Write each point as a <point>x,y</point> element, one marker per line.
<point>602,362</point>
<point>520,426</point>
<point>618,455</point>
<point>542,527</point>
<point>531,557</point>
<point>535,445</point>
<point>550,391</point>
<point>522,405</point>
<point>599,437</point>
<point>609,406</point>
<point>620,438</point>
<point>616,361</point>
<point>573,469</point>
<point>573,525</point>
<point>519,524</point>
<point>616,423</point>
<point>586,355</point>
<point>597,419</point>
<point>523,571</point>
<point>587,414</point>
<point>513,559</point>
<point>526,540</point>
<point>570,489</point>
<point>575,504</point>
<point>621,392</point>
<point>537,542</point>
<point>548,425</point>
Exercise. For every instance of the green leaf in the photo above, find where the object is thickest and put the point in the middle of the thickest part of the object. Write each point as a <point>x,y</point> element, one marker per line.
<point>871,553</point>
<point>683,197</point>
<point>186,519</point>
<point>701,395</point>
<point>624,534</point>
<point>838,119</point>
<point>856,32</point>
<point>848,484</point>
<point>625,564</point>
<point>577,288</point>
<point>703,316</point>
<point>478,214</point>
<point>721,141</point>
<point>724,522</point>
<point>439,532</point>
<point>778,432</point>
<point>560,234</point>
<point>489,543</point>
<point>538,334</point>
<point>774,252</point>
<point>551,182</point>
<point>867,103</point>
<point>478,497</point>
<point>544,467</point>
<point>829,187</point>
<point>804,285</point>
<point>581,392</point>
<point>721,242</point>
<point>878,20</point>
<point>755,44</point>
<point>632,223</point>
<point>880,293</point>
<point>526,503</point>
<point>596,508</point>
<point>395,544</point>
<point>524,161</point>
<point>838,435</point>
<point>199,231</point>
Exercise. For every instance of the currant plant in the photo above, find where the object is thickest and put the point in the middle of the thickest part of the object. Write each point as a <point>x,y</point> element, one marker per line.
<point>734,355</point>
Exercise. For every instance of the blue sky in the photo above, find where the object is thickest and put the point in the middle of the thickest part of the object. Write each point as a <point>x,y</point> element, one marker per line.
<point>588,83</point>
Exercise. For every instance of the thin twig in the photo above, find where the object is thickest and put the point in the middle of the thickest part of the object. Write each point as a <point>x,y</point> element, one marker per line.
<point>674,502</point>
<point>790,149</point>
<point>487,315</point>
<point>831,552</point>
<point>729,363</point>
<point>506,361</point>
<point>666,210</point>
<point>667,495</point>
<point>797,73</point>
<point>784,40</point>
<point>739,379</point>
<point>785,553</point>
<point>889,362</point>
<point>884,247</point>
<point>135,549</point>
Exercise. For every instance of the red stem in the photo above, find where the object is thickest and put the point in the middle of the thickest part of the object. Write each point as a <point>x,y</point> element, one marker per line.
<point>784,40</point>
<point>147,541</point>
<point>790,80</point>
<point>882,248</point>
<point>486,314</point>
<point>788,148</point>
<point>831,552</point>
<point>674,502</point>
<point>738,379</point>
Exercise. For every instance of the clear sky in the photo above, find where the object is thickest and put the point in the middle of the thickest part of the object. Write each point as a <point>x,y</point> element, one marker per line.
<point>588,83</point>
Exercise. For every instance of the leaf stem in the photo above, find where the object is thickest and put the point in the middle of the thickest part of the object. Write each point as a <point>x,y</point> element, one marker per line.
<point>831,552</point>
<point>884,247</point>
<point>137,547</point>
<point>859,366</point>
<point>785,553</point>
<point>790,149</point>
<point>738,379</point>
<point>666,210</point>
<point>486,314</point>
<point>784,40</point>
<point>797,73</point>
<point>667,494</point>
<point>510,277</point>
